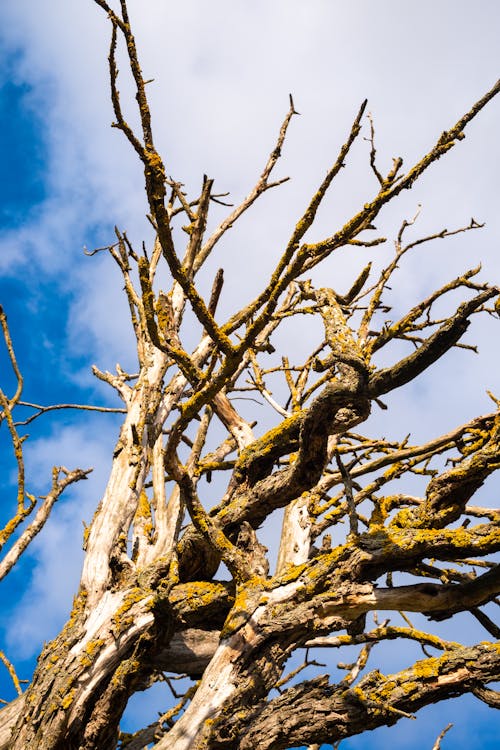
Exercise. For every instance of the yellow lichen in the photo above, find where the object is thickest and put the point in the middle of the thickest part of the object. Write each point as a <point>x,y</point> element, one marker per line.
<point>120,620</point>
<point>428,668</point>
<point>68,699</point>
<point>78,607</point>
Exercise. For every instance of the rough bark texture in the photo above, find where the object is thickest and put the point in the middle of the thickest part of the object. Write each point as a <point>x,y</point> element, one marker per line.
<point>149,604</point>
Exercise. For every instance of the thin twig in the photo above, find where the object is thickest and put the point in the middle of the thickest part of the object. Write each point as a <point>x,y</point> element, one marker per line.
<point>55,407</point>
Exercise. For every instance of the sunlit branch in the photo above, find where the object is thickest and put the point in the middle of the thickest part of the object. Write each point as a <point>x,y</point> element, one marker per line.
<point>56,407</point>
<point>59,484</point>
<point>12,672</point>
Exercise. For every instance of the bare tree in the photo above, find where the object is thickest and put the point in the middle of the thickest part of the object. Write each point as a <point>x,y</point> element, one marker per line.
<point>149,605</point>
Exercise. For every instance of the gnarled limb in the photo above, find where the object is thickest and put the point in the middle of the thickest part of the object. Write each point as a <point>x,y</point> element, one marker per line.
<point>316,711</point>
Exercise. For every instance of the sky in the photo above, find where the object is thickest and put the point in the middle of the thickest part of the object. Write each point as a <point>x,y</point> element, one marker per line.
<point>222,75</point>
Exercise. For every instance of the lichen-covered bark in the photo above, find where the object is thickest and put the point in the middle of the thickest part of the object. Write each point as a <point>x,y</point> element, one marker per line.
<point>317,711</point>
<point>180,500</point>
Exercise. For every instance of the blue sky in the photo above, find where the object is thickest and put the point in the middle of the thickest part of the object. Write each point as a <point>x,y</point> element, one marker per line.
<point>24,160</point>
<point>67,178</point>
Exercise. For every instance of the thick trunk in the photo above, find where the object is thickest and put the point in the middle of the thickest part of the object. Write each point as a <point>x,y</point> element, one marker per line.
<point>113,607</point>
<point>86,675</point>
<point>75,669</point>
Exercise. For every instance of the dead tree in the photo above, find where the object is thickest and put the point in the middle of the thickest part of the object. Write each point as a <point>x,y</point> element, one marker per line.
<point>149,603</point>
